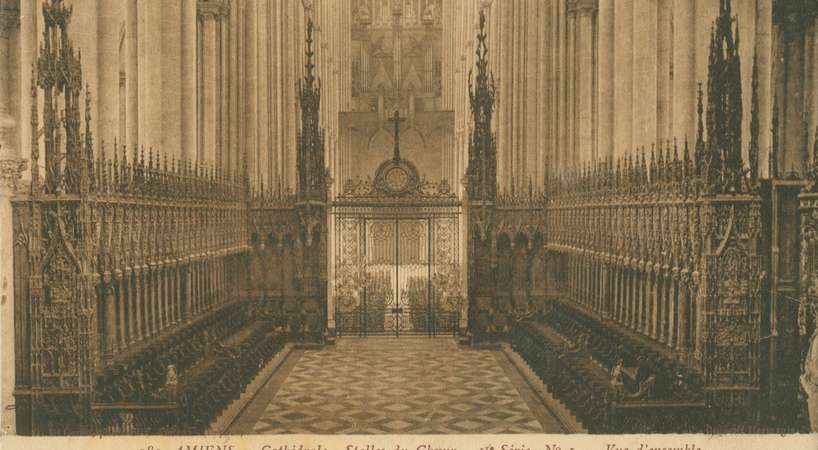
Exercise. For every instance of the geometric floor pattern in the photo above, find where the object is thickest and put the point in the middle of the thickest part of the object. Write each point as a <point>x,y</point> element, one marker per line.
<point>390,386</point>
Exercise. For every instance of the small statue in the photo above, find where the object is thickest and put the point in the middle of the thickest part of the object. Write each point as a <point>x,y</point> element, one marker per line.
<point>171,382</point>
<point>616,374</point>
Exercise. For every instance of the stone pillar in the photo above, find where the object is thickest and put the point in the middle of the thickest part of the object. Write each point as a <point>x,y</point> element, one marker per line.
<point>9,21</point>
<point>210,68</point>
<point>764,60</point>
<point>189,106</point>
<point>251,87</point>
<point>27,53</point>
<point>225,160</point>
<point>643,123</point>
<point>683,110</point>
<point>623,76</point>
<point>262,100</point>
<point>132,74</point>
<point>584,13</point>
<point>149,38</point>
<point>171,78</point>
<point>570,88</point>
<point>605,79</point>
<point>10,173</point>
<point>663,64</point>
<point>107,113</point>
<point>233,91</point>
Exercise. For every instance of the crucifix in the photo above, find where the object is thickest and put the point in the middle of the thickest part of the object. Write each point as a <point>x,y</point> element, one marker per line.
<point>397,119</point>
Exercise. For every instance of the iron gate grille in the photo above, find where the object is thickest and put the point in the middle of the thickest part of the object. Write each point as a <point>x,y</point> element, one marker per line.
<point>395,294</point>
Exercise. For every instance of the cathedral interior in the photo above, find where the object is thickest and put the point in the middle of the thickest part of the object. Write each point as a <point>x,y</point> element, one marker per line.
<point>408,216</point>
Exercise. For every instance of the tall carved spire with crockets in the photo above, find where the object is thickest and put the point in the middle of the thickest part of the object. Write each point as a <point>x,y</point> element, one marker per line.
<point>59,74</point>
<point>482,170</point>
<point>724,171</point>
<point>310,158</point>
<point>752,152</point>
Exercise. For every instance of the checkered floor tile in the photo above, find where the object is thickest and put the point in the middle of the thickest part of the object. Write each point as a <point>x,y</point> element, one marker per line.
<point>404,385</point>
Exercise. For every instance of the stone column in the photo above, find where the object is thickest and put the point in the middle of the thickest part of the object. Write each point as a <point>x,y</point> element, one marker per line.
<point>132,74</point>
<point>683,105</point>
<point>188,80</point>
<point>664,89</point>
<point>584,12</point>
<point>623,76</point>
<point>27,53</point>
<point>225,163</point>
<point>10,173</point>
<point>210,69</point>
<point>233,91</point>
<point>9,22</point>
<point>251,87</point>
<point>150,74</point>
<point>644,67</point>
<point>262,100</point>
<point>171,78</point>
<point>570,88</point>
<point>107,95</point>
<point>605,78</point>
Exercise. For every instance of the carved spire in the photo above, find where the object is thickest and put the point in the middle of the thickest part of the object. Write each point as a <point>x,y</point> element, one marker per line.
<point>35,138</point>
<point>310,157</point>
<point>481,172</point>
<point>752,151</point>
<point>724,108</point>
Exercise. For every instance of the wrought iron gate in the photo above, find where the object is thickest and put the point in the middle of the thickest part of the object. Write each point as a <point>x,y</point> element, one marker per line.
<point>395,286</point>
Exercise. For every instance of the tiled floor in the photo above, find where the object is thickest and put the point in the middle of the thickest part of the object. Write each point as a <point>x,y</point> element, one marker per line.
<point>403,385</point>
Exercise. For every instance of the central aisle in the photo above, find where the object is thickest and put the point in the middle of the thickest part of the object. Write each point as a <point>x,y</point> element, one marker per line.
<point>395,385</point>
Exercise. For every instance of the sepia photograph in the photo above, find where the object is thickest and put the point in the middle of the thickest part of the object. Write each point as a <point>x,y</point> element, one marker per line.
<point>408,217</point>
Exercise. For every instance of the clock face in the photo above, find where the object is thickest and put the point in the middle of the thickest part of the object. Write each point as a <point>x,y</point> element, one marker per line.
<point>396,179</point>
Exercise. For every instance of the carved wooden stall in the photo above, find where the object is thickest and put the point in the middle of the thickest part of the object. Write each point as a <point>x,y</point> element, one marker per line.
<point>506,231</point>
<point>668,246</point>
<point>289,229</point>
<point>129,275</point>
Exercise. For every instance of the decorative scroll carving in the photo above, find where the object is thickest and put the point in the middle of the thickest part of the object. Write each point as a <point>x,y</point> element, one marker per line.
<point>11,170</point>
